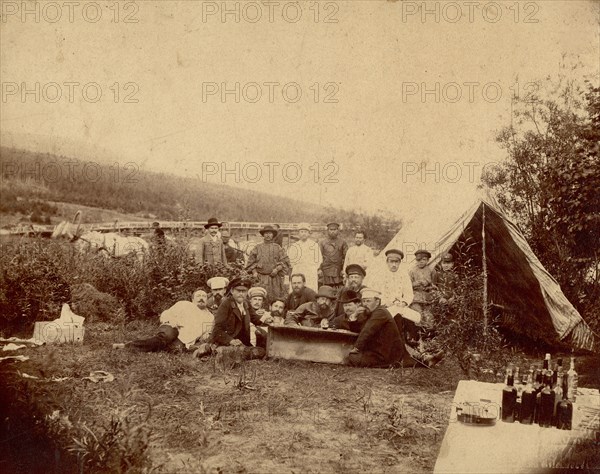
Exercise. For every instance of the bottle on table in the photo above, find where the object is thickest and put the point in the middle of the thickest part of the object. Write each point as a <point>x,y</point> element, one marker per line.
<point>564,410</point>
<point>509,398</point>
<point>557,389</point>
<point>528,399</point>
<point>572,379</point>
<point>546,406</point>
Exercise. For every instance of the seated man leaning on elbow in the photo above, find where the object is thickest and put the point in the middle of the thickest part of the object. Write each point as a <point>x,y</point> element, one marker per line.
<point>379,342</point>
<point>319,313</point>
<point>182,325</point>
<point>353,317</point>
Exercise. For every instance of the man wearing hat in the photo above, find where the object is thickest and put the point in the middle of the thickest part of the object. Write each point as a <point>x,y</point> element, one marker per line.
<point>218,288</point>
<point>305,257</point>
<point>352,318</point>
<point>359,253</point>
<point>233,318</point>
<point>209,250</point>
<point>318,313</point>
<point>355,275</point>
<point>269,264</point>
<point>257,297</point>
<point>379,343</point>
<point>424,283</point>
<point>333,250</point>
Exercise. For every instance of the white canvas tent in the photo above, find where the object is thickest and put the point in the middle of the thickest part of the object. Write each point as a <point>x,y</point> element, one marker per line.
<point>514,277</point>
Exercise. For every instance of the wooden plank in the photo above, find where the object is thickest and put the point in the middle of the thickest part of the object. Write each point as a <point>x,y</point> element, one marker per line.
<point>310,344</point>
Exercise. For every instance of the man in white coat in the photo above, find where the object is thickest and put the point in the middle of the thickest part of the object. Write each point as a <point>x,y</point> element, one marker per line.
<point>305,256</point>
<point>395,286</point>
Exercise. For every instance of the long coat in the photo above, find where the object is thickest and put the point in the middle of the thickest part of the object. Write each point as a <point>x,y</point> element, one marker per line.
<point>231,324</point>
<point>380,339</point>
<point>208,251</point>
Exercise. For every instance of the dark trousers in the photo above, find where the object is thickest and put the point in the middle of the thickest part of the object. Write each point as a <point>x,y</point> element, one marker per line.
<point>164,340</point>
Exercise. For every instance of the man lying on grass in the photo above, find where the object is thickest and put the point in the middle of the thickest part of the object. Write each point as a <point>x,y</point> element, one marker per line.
<point>182,325</point>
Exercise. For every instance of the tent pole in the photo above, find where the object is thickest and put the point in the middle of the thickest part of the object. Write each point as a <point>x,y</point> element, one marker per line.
<point>485,274</point>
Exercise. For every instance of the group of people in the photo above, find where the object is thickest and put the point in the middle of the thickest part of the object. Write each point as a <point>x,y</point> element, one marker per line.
<point>390,309</point>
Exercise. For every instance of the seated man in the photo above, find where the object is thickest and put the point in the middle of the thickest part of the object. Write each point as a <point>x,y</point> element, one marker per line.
<point>300,292</point>
<point>232,323</point>
<point>353,317</point>
<point>183,324</point>
<point>379,342</point>
<point>316,313</point>
<point>257,296</point>
<point>218,286</point>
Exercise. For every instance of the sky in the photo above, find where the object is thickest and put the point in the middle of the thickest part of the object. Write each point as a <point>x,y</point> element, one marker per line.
<point>338,103</point>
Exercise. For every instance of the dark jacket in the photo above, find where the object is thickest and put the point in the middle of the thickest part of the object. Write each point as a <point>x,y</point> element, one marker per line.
<point>380,337</point>
<point>342,322</point>
<point>339,307</point>
<point>308,315</point>
<point>292,302</point>
<point>230,324</point>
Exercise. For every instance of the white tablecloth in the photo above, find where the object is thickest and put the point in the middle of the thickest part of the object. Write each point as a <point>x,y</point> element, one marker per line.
<point>510,447</point>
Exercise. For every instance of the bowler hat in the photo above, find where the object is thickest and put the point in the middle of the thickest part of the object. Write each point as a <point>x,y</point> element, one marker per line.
<point>213,221</point>
<point>423,252</point>
<point>394,251</point>
<point>355,269</point>
<point>237,282</point>
<point>268,228</point>
<point>349,296</point>
<point>327,292</point>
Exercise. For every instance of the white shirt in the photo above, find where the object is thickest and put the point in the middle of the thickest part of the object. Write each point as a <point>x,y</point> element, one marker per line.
<point>360,255</point>
<point>191,321</point>
<point>392,285</point>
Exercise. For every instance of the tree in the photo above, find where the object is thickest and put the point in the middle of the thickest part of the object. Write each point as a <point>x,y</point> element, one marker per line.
<point>550,184</point>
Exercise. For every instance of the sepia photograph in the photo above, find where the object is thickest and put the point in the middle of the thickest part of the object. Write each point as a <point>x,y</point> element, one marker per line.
<point>314,236</point>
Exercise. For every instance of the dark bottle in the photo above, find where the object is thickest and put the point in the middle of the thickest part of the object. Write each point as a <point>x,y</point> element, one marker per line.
<point>537,388</point>
<point>509,399</point>
<point>558,391</point>
<point>528,401</point>
<point>546,406</point>
<point>564,410</point>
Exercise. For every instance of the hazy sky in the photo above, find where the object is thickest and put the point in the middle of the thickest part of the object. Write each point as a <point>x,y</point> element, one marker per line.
<point>353,138</point>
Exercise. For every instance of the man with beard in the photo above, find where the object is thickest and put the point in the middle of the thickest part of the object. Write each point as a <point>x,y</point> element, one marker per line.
<point>209,250</point>
<point>300,293</point>
<point>257,297</point>
<point>355,275</point>
<point>379,343</point>
<point>182,325</point>
<point>334,251</point>
<point>318,313</point>
<point>277,311</point>
<point>353,316</point>
<point>305,257</point>
<point>218,287</point>
<point>269,264</point>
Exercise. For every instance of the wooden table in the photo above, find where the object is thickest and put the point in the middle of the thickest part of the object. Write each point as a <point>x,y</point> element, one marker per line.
<point>311,344</point>
<point>511,447</point>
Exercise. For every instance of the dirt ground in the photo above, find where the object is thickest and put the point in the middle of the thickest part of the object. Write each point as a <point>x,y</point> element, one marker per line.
<point>206,416</point>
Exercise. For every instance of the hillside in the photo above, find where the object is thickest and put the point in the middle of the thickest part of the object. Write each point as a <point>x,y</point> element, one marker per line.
<point>36,186</point>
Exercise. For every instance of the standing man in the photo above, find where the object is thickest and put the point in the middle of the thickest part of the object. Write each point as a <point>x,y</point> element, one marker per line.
<point>379,342</point>
<point>269,264</point>
<point>424,282</point>
<point>278,239</point>
<point>355,275</point>
<point>305,257</point>
<point>300,293</point>
<point>447,281</point>
<point>334,252</point>
<point>232,252</point>
<point>209,250</point>
<point>359,254</point>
